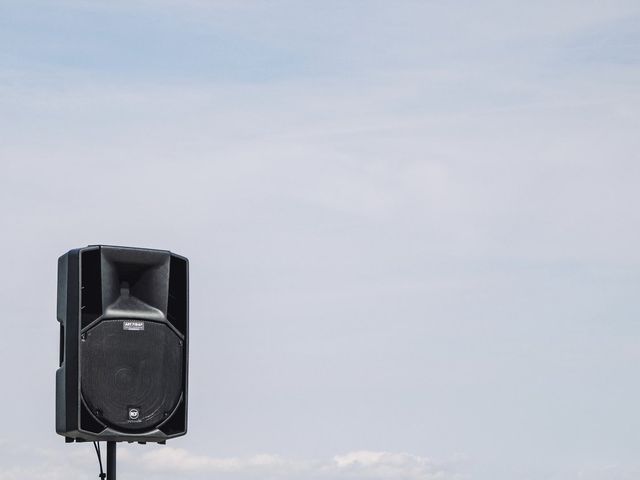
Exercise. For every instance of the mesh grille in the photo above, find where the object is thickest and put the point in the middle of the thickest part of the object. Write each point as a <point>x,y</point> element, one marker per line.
<point>131,378</point>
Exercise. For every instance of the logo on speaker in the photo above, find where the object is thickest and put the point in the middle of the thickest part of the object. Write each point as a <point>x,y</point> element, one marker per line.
<point>132,325</point>
<point>134,414</point>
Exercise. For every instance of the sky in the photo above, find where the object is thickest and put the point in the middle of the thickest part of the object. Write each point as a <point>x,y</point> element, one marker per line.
<point>412,228</point>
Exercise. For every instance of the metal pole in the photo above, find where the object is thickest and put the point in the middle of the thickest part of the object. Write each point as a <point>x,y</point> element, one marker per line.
<point>111,460</point>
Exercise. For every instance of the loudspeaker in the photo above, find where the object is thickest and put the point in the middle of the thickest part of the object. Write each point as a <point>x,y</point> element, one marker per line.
<point>124,329</point>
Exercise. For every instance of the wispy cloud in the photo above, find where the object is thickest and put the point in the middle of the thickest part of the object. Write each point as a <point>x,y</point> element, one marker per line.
<point>359,464</point>
<point>362,464</point>
<point>58,464</point>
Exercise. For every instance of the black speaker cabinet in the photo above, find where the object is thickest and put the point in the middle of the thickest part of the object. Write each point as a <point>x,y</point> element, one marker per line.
<point>124,327</point>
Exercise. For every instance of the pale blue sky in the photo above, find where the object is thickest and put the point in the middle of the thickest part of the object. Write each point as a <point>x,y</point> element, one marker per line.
<point>413,229</point>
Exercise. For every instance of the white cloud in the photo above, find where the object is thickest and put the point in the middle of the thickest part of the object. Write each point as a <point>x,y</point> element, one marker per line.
<point>387,465</point>
<point>24,463</point>
<point>30,462</point>
<point>360,464</point>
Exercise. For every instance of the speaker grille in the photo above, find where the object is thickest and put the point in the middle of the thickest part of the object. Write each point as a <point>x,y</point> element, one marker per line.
<point>131,375</point>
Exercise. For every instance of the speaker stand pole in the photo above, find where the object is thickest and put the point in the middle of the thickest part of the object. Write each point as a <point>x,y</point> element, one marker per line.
<point>111,460</point>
